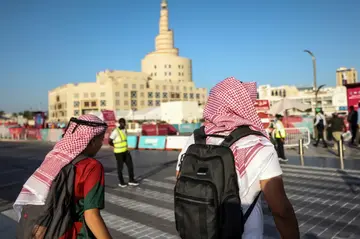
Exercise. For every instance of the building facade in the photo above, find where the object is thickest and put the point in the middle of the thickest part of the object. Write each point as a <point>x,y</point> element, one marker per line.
<point>165,77</point>
<point>330,99</point>
<point>346,76</point>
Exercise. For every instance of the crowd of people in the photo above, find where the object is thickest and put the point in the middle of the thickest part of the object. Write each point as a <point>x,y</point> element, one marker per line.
<point>254,162</point>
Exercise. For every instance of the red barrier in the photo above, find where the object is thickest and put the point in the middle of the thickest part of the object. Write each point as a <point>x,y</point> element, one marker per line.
<point>16,133</point>
<point>32,133</point>
<point>157,130</point>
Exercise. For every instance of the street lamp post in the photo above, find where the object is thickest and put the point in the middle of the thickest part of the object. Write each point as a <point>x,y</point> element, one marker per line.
<point>314,72</point>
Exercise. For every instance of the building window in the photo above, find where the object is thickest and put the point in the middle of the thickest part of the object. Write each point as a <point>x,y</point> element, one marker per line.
<point>191,96</point>
<point>150,103</point>
<point>126,102</point>
<point>102,102</point>
<point>169,73</point>
<point>165,94</point>
<point>157,94</point>
<point>125,86</point>
<point>155,74</point>
<point>126,94</point>
<point>133,103</point>
<point>76,95</point>
<point>158,103</point>
<point>157,87</point>
<point>133,86</point>
<point>117,94</point>
<point>102,94</point>
<point>76,104</point>
<point>133,94</point>
<point>197,96</point>
<point>142,94</point>
<point>86,104</point>
<point>172,87</point>
<point>154,66</point>
<point>164,87</point>
<point>142,103</point>
<point>76,113</point>
<point>165,66</point>
<point>93,95</point>
<point>179,73</point>
<point>93,103</point>
<point>117,102</point>
<point>86,95</point>
<point>169,66</point>
<point>185,95</point>
<point>179,66</point>
<point>185,88</point>
<point>141,87</point>
<point>165,73</point>
<point>177,88</point>
<point>150,95</point>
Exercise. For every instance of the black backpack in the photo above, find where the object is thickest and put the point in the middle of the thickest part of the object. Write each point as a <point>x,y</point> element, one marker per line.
<point>207,201</point>
<point>57,216</point>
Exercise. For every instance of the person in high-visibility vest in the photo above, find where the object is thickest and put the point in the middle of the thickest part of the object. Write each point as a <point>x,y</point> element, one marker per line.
<point>280,136</point>
<point>118,140</point>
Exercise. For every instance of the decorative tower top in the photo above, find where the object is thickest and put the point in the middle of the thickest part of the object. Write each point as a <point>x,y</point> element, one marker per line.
<point>164,42</point>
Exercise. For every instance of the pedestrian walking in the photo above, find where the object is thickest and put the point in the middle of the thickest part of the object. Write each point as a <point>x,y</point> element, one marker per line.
<point>62,199</point>
<point>230,156</point>
<point>320,124</point>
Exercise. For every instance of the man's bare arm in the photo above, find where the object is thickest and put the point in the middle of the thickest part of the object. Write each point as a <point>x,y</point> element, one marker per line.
<point>96,224</point>
<point>281,208</point>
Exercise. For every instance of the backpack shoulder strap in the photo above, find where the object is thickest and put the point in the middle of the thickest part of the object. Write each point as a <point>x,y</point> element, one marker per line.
<point>200,135</point>
<point>239,133</point>
<point>78,159</point>
<point>248,212</point>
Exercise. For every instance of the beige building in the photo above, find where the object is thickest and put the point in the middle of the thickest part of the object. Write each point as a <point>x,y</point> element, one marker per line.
<point>346,76</point>
<point>330,99</point>
<point>165,76</point>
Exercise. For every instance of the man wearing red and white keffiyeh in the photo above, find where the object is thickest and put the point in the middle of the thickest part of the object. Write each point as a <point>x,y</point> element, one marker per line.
<point>230,105</point>
<point>79,139</point>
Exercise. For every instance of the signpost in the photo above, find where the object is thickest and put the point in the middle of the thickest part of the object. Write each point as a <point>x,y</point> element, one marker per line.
<point>109,117</point>
<point>262,105</point>
<point>353,95</point>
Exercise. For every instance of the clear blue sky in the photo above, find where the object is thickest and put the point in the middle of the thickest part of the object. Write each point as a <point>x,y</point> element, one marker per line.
<point>47,43</point>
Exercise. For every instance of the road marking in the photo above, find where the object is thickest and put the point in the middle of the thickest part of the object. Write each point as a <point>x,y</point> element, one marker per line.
<point>132,228</point>
<point>141,207</point>
<point>11,184</point>
<point>12,171</point>
<point>10,214</point>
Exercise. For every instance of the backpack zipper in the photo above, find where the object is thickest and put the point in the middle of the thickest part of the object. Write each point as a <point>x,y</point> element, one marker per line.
<point>195,201</point>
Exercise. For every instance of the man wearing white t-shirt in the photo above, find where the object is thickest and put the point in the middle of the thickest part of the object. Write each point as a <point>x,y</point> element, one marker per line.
<point>118,140</point>
<point>230,105</point>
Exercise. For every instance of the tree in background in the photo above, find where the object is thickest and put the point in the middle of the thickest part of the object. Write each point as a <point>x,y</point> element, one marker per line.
<point>2,113</point>
<point>27,114</point>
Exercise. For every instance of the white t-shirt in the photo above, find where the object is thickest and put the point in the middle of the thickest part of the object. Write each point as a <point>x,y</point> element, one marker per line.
<point>115,134</point>
<point>264,165</point>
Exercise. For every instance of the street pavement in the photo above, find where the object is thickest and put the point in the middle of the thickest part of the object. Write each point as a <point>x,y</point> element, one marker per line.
<point>326,201</point>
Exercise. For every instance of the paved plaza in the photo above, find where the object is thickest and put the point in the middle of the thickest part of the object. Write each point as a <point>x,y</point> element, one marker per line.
<point>326,201</point>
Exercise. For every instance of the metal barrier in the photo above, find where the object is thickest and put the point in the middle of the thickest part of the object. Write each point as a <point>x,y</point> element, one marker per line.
<point>293,136</point>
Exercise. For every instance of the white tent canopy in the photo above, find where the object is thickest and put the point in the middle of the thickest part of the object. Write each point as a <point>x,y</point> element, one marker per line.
<point>287,104</point>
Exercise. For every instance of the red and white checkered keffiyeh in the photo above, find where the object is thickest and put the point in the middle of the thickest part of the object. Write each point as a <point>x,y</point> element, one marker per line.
<point>230,105</point>
<point>36,188</point>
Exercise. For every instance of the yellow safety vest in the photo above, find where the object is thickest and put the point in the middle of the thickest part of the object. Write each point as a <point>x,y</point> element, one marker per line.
<point>120,145</point>
<point>279,130</point>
